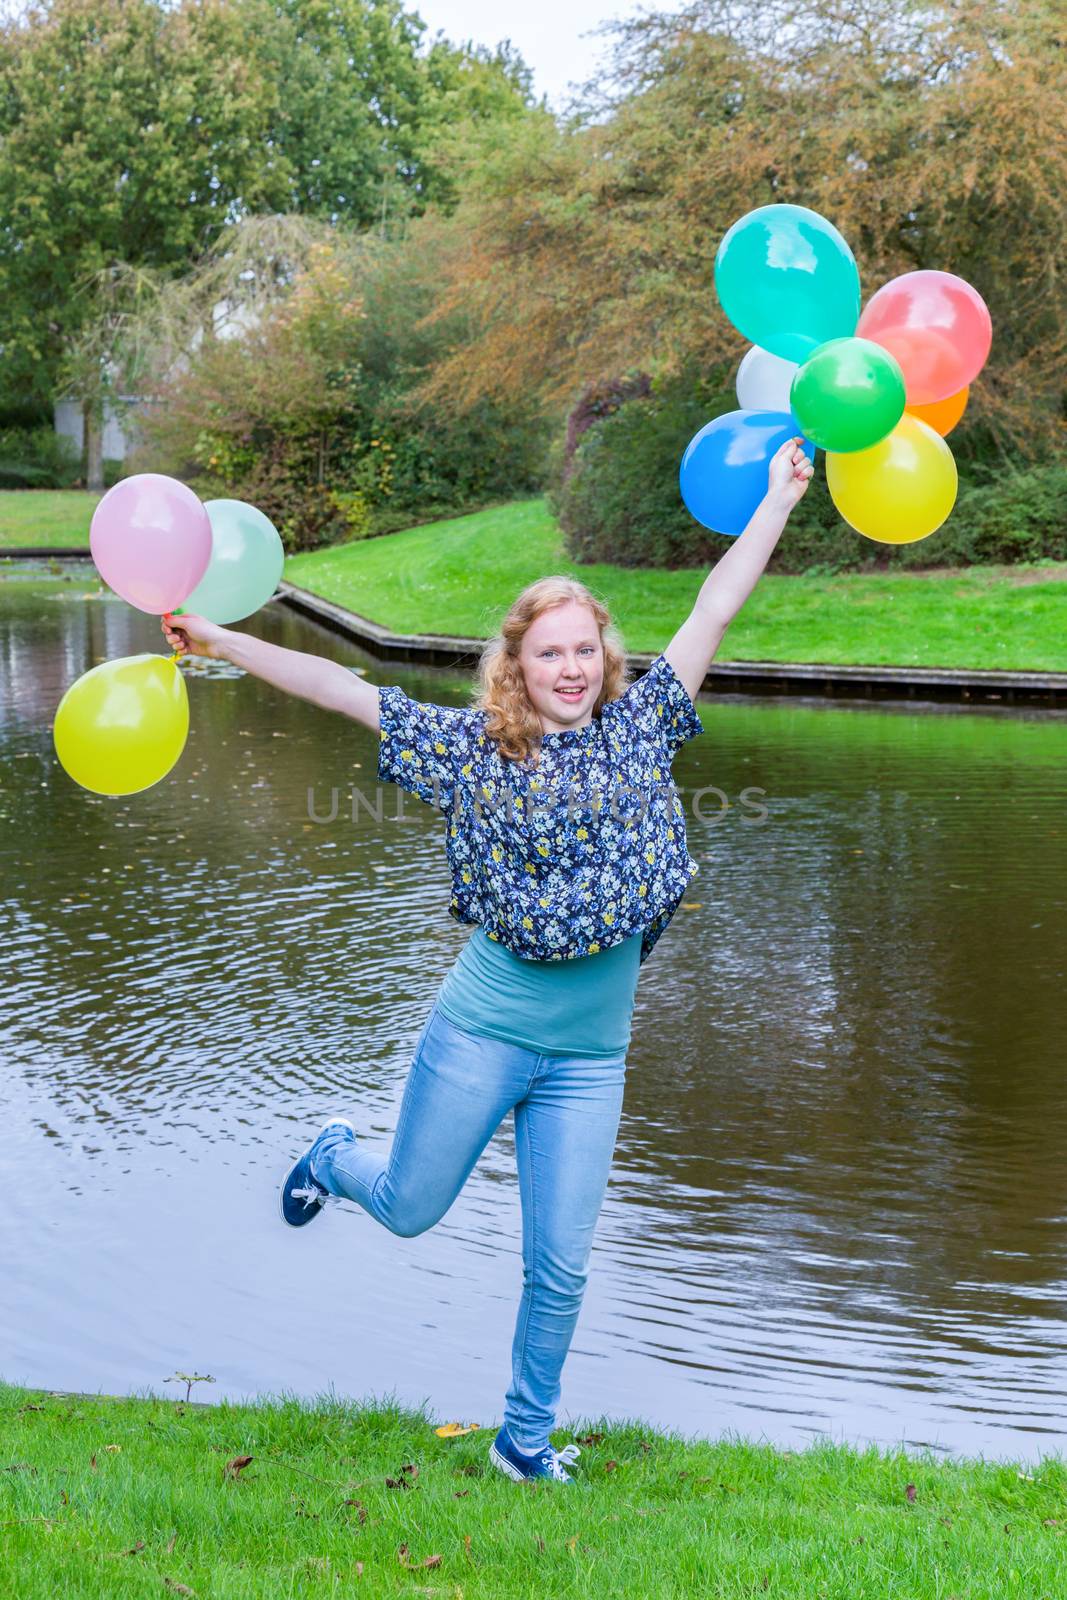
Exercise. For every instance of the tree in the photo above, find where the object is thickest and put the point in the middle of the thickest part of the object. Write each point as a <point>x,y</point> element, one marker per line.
<point>128,133</point>
<point>106,360</point>
<point>133,132</point>
<point>927,133</point>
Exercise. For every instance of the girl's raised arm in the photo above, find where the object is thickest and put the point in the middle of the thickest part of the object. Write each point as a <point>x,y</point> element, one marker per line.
<point>324,683</point>
<point>733,578</point>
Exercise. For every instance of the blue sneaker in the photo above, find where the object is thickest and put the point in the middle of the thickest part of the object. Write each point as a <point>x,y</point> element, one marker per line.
<point>302,1197</point>
<point>545,1463</point>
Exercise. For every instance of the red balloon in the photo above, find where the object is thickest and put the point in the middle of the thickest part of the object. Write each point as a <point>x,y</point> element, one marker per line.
<point>936,325</point>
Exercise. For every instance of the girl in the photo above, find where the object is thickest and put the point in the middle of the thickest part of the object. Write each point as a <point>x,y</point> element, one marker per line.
<point>566,840</point>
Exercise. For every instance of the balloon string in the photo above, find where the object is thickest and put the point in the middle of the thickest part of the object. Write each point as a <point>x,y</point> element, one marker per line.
<point>177,612</point>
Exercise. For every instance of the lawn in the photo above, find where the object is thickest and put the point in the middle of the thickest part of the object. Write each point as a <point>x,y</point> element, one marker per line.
<point>150,1497</point>
<point>46,519</point>
<point>458,577</point>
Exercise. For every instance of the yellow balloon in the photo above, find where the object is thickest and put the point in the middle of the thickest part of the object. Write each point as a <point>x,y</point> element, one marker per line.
<point>899,490</point>
<point>121,726</point>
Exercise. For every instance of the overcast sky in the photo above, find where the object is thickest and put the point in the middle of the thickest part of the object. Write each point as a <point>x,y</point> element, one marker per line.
<point>548,35</point>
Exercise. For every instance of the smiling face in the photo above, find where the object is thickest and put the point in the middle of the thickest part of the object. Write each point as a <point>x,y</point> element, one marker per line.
<point>560,651</point>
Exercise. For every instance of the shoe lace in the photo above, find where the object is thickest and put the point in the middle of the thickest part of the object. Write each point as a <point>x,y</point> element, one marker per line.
<point>556,1459</point>
<point>311,1196</point>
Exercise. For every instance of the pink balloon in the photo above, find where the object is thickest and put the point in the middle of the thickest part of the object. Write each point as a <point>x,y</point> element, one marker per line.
<point>151,540</point>
<point>937,327</point>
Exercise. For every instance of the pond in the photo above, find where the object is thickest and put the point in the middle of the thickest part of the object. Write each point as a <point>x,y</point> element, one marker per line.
<point>839,1199</point>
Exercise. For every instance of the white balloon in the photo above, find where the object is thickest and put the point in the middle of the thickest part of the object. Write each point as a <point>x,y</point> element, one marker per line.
<point>764,381</point>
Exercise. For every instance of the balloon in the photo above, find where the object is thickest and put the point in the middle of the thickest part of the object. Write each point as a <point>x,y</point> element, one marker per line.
<point>763,381</point>
<point>942,415</point>
<point>122,725</point>
<point>246,562</point>
<point>151,540</point>
<point>899,490</point>
<point>787,280</point>
<point>723,475</point>
<point>938,328</point>
<point>848,395</point>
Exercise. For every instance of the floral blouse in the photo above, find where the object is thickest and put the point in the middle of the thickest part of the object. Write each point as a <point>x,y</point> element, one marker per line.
<point>569,856</point>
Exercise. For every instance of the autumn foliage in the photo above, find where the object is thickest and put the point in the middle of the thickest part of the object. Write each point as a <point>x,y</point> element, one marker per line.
<point>927,134</point>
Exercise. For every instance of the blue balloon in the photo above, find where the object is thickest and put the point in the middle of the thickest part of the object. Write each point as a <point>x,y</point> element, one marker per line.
<point>723,475</point>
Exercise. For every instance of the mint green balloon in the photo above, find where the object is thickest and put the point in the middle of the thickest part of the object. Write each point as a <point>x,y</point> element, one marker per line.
<point>246,563</point>
<point>848,395</point>
<point>787,280</point>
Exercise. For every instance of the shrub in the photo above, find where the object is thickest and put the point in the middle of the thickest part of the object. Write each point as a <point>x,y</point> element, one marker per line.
<point>619,501</point>
<point>37,458</point>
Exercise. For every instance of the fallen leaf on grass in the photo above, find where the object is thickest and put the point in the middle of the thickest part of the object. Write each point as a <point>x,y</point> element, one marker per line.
<point>910,1491</point>
<point>403,1555</point>
<point>610,1466</point>
<point>173,1541</point>
<point>412,1472</point>
<point>456,1430</point>
<point>233,1468</point>
<point>360,1509</point>
<point>467,1546</point>
<point>21,1466</point>
<point>459,1494</point>
<point>29,1408</point>
<point>592,1438</point>
<point>132,1551</point>
<point>541,1546</point>
<point>179,1588</point>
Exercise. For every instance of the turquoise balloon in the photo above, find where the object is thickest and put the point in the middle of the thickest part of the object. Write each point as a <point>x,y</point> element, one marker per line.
<point>848,395</point>
<point>246,563</point>
<point>787,280</point>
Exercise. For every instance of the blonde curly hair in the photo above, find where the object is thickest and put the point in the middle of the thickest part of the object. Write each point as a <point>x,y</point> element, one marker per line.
<point>512,721</point>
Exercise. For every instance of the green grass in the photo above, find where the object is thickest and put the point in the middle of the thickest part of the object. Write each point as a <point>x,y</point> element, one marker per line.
<point>459,576</point>
<point>134,1498</point>
<point>46,519</point>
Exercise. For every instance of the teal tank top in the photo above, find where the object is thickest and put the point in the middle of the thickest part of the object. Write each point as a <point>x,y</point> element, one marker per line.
<point>577,1007</point>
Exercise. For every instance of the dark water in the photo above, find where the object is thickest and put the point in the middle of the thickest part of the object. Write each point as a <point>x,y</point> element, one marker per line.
<point>839,1200</point>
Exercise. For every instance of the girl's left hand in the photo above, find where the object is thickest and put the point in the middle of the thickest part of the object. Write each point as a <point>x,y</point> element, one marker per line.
<point>789,474</point>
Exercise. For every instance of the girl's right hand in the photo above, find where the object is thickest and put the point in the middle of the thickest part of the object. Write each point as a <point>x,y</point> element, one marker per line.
<point>194,634</point>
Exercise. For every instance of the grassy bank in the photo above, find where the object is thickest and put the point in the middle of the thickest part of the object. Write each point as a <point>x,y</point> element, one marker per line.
<point>150,1497</point>
<point>458,576</point>
<point>46,519</point>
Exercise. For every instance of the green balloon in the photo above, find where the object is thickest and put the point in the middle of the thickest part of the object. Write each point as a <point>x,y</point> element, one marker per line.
<point>787,280</point>
<point>246,562</point>
<point>848,395</point>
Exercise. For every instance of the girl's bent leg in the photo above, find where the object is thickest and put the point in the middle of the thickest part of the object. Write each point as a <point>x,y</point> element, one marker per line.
<point>459,1089</point>
<point>565,1131</point>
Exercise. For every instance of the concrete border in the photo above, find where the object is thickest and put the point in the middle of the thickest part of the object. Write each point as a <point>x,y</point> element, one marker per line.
<point>926,684</point>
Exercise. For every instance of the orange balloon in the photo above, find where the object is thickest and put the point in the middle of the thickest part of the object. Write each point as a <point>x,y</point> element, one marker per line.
<point>936,325</point>
<point>942,415</point>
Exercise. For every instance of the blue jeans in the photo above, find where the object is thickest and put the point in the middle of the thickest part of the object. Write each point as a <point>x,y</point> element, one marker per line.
<point>459,1089</point>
